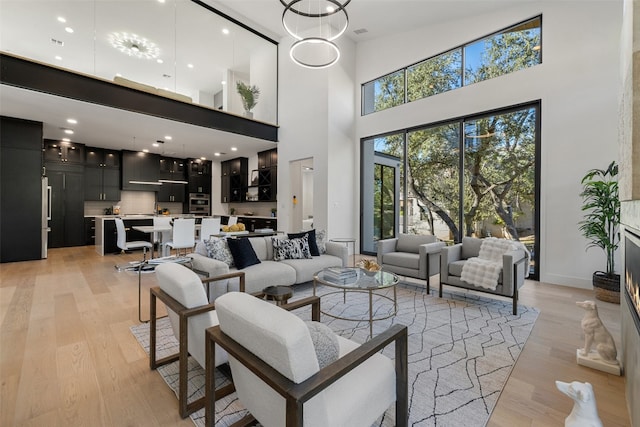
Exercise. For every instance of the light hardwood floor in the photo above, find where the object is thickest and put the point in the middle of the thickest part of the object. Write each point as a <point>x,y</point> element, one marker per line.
<point>67,357</point>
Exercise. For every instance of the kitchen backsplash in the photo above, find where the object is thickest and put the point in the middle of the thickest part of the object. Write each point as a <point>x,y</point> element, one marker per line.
<point>131,202</point>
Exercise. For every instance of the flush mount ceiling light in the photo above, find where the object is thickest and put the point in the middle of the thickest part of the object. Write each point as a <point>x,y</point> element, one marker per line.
<point>315,24</point>
<point>134,45</point>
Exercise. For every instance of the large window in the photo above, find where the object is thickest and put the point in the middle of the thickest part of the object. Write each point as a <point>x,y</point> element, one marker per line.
<point>473,176</point>
<point>503,52</point>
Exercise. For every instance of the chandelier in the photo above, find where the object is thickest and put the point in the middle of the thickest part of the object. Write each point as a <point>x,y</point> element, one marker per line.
<point>315,24</point>
<point>134,45</point>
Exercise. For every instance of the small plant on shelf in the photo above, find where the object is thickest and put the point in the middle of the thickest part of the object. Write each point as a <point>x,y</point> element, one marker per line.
<point>249,95</point>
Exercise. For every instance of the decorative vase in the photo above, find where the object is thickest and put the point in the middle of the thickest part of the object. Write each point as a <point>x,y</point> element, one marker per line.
<point>607,288</point>
<point>248,114</point>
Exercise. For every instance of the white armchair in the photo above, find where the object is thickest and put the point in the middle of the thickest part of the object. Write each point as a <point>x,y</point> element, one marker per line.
<point>278,377</point>
<point>411,255</point>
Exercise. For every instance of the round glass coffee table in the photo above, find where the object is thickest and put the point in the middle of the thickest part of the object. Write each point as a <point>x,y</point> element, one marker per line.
<point>348,279</point>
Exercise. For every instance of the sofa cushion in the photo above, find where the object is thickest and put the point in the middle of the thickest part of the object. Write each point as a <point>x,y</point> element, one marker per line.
<point>291,248</point>
<point>217,248</point>
<point>305,269</point>
<point>402,259</point>
<point>321,241</point>
<point>311,235</point>
<point>411,242</point>
<point>470,247</point>
<point>260,247</point>
<point>243,253</point>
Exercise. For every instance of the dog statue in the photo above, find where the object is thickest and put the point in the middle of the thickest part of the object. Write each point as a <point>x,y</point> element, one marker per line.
<point>584,412</point>
<point>596,335</point>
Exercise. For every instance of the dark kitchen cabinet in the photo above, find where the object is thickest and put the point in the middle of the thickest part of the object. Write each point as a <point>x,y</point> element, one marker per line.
<point>63,152</point>
<point>199,176</point>
<point>21,233</point>
<point>90,230</point>
<point>172,176</point>
<point>267,175</point>
<point>140,171</point>
<point>67,205</point>
<point>102,174</point>
<point>267,159</point>
<point>234,183</point>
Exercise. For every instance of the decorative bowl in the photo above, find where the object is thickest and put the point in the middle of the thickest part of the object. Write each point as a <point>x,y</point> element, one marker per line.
<point>369,273</point>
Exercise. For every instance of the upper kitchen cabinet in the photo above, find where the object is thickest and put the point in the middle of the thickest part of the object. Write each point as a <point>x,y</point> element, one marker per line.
<point>102,174</point>
<point>267,159</point>
<point>172,176</point>
<point>140,171</point>
<point>199,176</point>
<point>63,152</point>
<point>234,179</point>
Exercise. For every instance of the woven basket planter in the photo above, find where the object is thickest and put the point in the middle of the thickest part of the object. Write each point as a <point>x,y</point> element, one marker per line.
<point>607,288</point>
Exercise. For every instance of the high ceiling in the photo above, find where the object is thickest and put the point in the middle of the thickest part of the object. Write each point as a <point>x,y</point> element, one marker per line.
<point>111,128</point>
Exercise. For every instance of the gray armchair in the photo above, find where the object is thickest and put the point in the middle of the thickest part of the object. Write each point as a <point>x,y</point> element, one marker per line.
<point>411,255</point>
<point>514,264</point>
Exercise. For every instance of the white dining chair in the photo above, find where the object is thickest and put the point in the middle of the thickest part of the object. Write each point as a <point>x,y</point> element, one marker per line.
<point>184,230</point>
<point>128,246</point>
<point>159,237</point>
<point>210,226</point>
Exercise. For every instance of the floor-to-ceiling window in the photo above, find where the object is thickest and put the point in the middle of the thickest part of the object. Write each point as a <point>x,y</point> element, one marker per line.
<point>471,176</point>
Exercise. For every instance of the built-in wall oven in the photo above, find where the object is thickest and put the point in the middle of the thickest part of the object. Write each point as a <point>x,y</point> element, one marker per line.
<point>200,203</point>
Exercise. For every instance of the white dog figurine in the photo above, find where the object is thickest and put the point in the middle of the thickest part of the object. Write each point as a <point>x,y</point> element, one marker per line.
<point>584,412</point>
<point>596,335</point>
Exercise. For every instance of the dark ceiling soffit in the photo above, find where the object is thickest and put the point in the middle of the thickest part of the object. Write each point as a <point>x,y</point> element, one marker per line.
<point>42,78</point>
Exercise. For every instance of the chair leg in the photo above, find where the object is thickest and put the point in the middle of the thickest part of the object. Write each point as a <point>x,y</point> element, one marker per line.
<point>515,301</point>
<point>440,291</point>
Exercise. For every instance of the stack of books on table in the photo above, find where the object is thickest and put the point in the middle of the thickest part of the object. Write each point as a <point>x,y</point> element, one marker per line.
<point>337,273</point>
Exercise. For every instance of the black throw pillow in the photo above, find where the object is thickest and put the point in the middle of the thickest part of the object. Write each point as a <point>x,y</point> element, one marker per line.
<point>313,245</point>
<point>242,252</point>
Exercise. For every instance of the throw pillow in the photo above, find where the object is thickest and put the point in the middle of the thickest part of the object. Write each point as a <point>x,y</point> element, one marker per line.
<point>325,343</point>
<point>219,249</point>
<point>243,253</point>
<point>290,248</point>
<point>311,235</point>
<point>321,241</point>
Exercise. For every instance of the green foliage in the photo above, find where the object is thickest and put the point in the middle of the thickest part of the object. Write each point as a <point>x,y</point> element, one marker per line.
<point>249,95</point>
<point>601,205</point>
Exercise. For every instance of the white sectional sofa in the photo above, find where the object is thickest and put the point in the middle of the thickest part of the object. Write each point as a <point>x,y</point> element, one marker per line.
<point>268,272</point>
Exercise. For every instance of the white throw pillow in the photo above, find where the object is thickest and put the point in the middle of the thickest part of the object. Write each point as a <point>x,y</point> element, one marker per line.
<point>325,343</point>
<point>219,249</point>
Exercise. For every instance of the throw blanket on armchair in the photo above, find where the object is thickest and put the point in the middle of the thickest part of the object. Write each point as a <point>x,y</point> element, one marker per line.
<point>484,270</point>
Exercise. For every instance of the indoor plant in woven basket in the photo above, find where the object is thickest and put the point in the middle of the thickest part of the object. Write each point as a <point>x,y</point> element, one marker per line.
<point>601,207</point>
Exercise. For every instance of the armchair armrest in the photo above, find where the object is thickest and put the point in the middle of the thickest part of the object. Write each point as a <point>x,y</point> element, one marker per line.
<point>239,274</point>
<point>297,394</point>
<point>512,270</point>
<point>432,248</point>
<point>430,258</point>
<point>211,266</point>
<point>449,254</point>
<point>385,246</point>
<point>339,250</point>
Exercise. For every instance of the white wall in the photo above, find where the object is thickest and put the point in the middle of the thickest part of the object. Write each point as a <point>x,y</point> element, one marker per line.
<point>316,121</point>
<point>578,83</point>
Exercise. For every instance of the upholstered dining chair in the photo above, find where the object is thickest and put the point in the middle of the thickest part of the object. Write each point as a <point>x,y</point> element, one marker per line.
<point>276,368</point>
<point>190,313</point>
<point>131,245</point>
<point>159,237</point>
<point>183,236</point>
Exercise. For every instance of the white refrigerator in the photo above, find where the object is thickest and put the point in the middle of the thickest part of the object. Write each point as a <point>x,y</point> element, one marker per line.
<point>46,214</point>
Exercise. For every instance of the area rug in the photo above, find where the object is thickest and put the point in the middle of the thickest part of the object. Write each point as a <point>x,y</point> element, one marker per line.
<point>462,348</point>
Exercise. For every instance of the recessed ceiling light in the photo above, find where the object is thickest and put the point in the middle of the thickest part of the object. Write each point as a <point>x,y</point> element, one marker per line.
<point>72,121</point>
<point>155,144</point>
<point>331,9</point>
<point>216,154</point>
<point>61,19</point>
<point>159,61</point>
<point>168,137</point>
<point>161,1</point>
<point>145,150</point>
<point>68,131</point>
<point>190,65</point>
<point>69,30</point>
<point>203,158</point>
<point>224,82</point>
<point>234,148</point>
<point>66,140</point>
<point>225,31</point>
<point>59,58</point>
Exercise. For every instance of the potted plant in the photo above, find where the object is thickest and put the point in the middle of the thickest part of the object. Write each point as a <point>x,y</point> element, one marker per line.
<point>600,226</point>
<point>249,95</point>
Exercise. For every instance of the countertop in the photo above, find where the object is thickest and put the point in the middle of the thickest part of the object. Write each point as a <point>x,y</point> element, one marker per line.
<point>151,216</point>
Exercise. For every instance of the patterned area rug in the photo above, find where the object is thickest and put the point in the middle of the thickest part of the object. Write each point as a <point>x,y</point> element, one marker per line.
<point>462,348</point>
